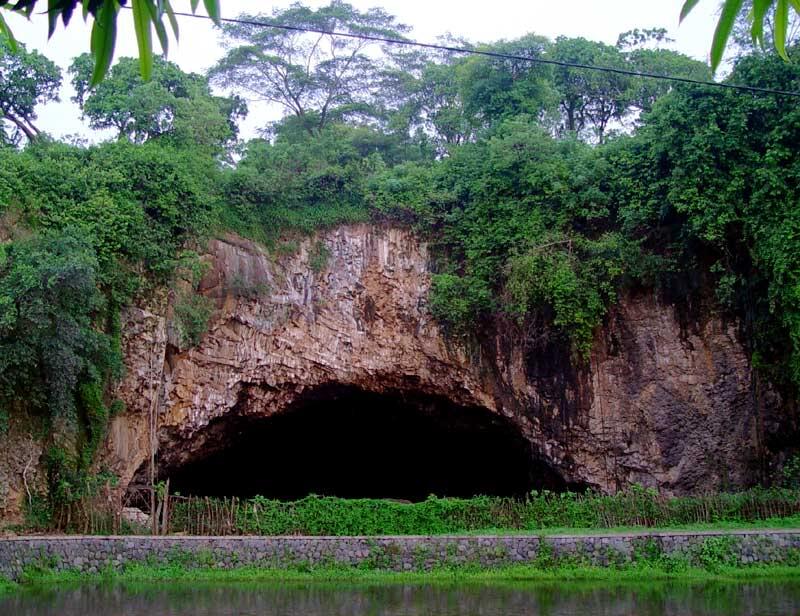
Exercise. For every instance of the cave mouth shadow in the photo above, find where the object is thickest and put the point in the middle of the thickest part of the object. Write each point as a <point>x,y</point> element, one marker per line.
<point>346,442</point>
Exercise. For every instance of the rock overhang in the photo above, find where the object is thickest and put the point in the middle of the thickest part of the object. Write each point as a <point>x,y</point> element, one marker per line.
<point>287,325</point>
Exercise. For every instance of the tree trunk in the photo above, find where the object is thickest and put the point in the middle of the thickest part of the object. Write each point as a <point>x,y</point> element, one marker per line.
<point>30,131</point>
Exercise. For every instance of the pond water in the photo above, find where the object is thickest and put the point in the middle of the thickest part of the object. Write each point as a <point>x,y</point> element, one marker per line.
<point>662,599</point>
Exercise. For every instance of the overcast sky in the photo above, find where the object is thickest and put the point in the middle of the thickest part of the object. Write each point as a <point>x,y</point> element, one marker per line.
<point>199,47</point>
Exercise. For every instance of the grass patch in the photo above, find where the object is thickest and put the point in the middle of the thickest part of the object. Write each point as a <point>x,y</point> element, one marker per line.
<point>7,586</point>
<point>179,574</point>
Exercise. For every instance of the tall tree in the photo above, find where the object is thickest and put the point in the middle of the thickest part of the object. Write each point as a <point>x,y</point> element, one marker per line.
<point>589,100</point>
<point>26,80</point>
<point>646,51</point>
<point>310,74</point>
<point>439,106</point>
<point>173,103</point>
<point>496,88</point>
<point>449,98</point>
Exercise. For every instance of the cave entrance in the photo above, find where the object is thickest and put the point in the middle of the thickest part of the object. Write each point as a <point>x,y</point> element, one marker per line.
<point>342,441</point>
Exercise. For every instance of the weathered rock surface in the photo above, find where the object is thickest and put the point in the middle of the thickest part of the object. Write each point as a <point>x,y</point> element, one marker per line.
<point>21,475</point>
<point>656,404</point>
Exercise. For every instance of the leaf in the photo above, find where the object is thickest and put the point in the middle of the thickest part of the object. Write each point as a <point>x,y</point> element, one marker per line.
<point>144,38</point>
<point>212,8</point>
<point>172,19</point>
<point>66,12</point>
<point>157,18</point>
<point>25,7</point>
<point>194,4</point>
<point>687,8</point>
<point>52,16</point>
<point>758,14</point>
<point>781,25</point>
<point>724,26</point>
<point>104,37</point>
<point>161,32</point>
<point>6,32</point>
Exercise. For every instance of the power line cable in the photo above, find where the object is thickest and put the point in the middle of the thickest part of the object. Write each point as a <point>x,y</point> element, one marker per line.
<point>499,55</point>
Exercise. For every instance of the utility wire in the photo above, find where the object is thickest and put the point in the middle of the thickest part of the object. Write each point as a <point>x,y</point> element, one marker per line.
<point>498,55</point>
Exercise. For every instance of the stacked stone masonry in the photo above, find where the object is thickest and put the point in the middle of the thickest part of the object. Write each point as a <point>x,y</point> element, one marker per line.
<point>408,553</point>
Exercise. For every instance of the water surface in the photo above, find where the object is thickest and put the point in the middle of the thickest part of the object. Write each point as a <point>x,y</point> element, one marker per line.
<point>491,599</point>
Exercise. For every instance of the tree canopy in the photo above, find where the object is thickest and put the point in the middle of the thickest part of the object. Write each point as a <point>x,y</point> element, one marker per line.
<point>769,21</point>
<point>27,79</point>
<point>172,105</point>
<point>311,75</point>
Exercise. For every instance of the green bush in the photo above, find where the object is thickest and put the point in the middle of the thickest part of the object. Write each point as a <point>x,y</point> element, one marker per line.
<point>317,515</point>
<point>192,312</point>
<point>458,302</point>
<point>49,303</point>
<point>318,257</point>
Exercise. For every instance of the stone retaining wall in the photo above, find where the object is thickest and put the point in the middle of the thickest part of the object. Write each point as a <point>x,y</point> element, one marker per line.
<point>92,554</point>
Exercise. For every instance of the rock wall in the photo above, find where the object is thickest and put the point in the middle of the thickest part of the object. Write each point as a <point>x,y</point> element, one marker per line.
<point>658,403</point>
<point>95,554</point>
<point>21,473</point>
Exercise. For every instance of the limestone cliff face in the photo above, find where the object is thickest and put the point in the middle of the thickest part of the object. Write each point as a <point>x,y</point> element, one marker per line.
<point>656,404</point>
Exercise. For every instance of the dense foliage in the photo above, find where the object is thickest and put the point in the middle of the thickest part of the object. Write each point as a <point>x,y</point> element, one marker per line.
<point>172,105</point>
<point>85,231</point>
<point>712,180</point>
<point>316,515</point>
<point>544,192</point>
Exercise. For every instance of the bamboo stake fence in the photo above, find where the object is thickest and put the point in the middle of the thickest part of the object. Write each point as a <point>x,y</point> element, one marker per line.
<point>113,510</point>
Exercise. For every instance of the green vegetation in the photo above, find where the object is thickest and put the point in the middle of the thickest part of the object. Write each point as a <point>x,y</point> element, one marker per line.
<point>192,312</point>
<point>148,16</point>
<point>92,229</point>
<point>544,193</point>
<point>7,586</point>
<point>768,23</point>
<point>26,80</point>
<point>540,512</point>
<point>710,561</point>
<point>177,574</point>
<point>172,106</point>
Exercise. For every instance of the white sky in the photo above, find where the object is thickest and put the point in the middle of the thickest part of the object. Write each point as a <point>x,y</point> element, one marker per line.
<point>199,47</point>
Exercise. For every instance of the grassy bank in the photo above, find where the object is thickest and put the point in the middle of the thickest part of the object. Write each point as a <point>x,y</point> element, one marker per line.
<point>633,573</point>
<point>7,586</point>
<point>545,512</point>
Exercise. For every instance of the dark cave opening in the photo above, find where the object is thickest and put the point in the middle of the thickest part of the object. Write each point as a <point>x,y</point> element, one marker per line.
<point>342,441</point>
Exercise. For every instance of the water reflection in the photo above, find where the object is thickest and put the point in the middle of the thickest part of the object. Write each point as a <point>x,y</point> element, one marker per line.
<point>764,599</point>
